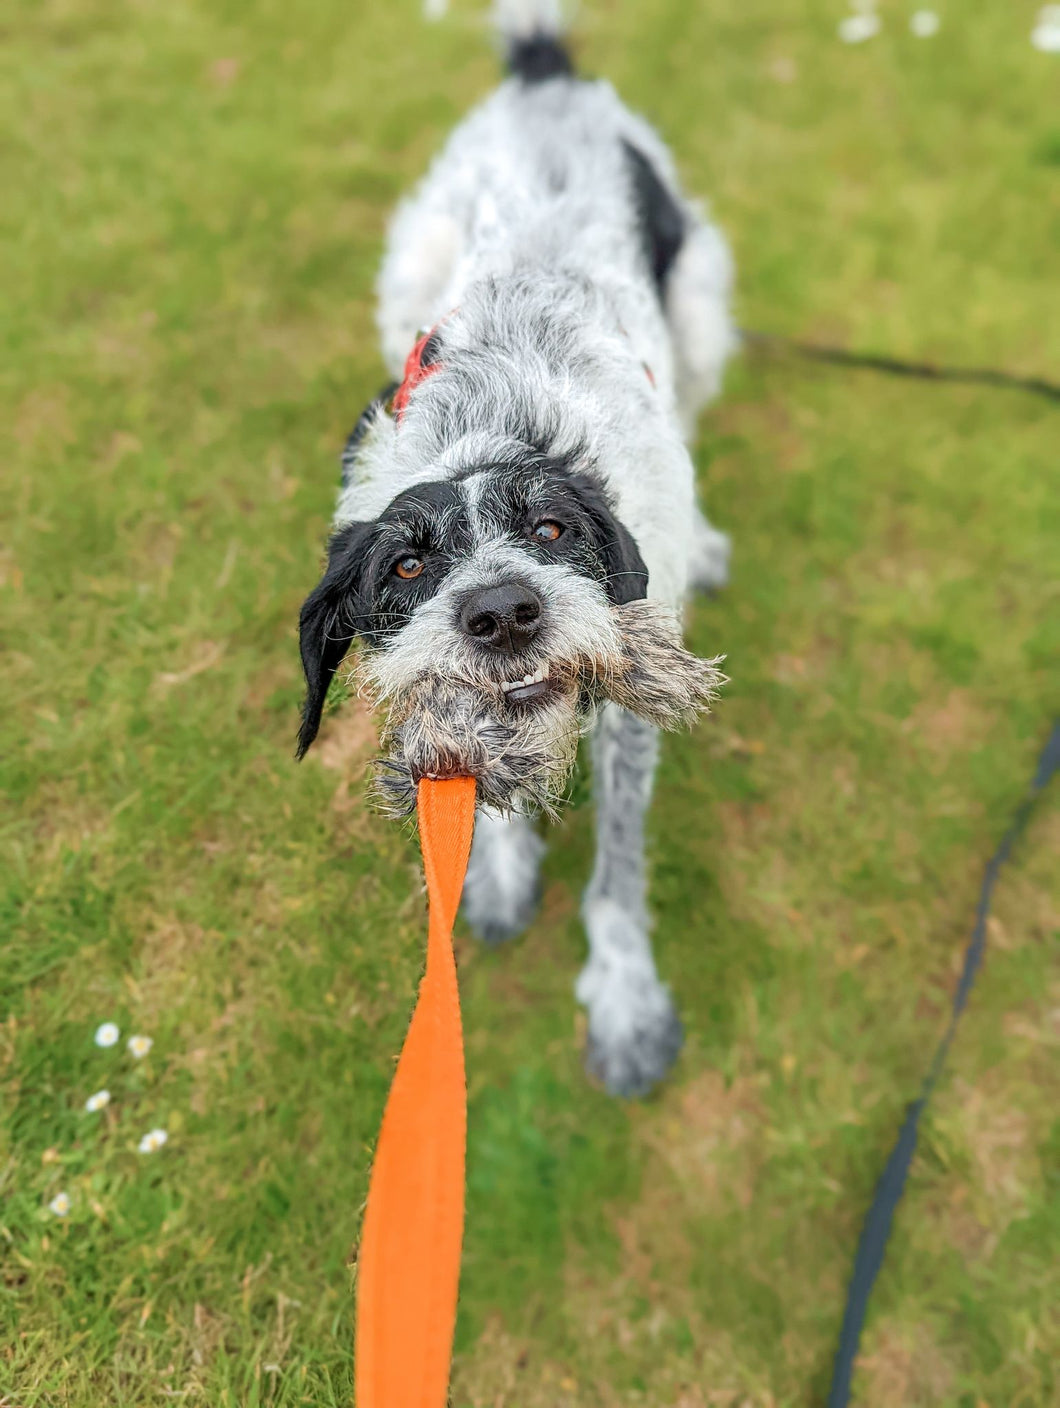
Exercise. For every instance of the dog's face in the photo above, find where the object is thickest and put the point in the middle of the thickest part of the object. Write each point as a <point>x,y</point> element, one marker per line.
<point>490,604</point>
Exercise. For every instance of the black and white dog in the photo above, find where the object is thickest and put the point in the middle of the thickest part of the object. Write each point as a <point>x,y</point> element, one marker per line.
<point>517,529</point>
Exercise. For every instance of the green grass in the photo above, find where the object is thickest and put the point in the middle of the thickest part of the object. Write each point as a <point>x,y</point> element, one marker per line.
<point>194,201</point>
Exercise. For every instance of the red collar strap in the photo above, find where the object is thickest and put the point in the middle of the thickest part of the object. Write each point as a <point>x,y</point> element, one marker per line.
<point>419,365</point>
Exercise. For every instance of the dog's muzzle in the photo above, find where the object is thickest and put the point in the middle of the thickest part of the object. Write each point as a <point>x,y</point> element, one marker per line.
<point>519,737</point>
<point>505,621</point>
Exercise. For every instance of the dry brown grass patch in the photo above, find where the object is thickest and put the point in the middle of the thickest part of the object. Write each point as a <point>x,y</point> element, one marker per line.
<point>706,1133</point>
<point>903,1367</point>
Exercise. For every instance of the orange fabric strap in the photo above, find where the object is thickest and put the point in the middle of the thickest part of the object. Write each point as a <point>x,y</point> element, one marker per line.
<point>408,1269</point>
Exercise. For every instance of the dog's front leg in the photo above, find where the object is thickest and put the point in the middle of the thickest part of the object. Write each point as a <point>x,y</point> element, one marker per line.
<point>634,1032</point>
<point>502,888</point>
<point>709,566</point>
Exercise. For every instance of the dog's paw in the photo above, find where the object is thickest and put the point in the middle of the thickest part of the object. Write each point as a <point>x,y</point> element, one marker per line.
<point>711,550</point>
<point>502,889</point>
<point>635,1063</point>
<point>635,1033</point>
<point>494,919</point>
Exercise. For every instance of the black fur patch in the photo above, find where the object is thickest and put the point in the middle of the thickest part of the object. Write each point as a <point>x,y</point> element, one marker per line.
<point>361,595</point>
<point>430,351</point>
<point>360,430</point>
<point>516,497</point>
<point>328,623</point>
<point>539,58</point>
<point>662,223</point>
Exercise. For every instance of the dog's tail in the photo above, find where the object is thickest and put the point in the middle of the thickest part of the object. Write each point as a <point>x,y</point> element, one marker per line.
<point>532,32</point>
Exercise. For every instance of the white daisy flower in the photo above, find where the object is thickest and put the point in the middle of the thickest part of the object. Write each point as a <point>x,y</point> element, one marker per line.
<point>60,1204</point>
<point>435,9</point>
<point>855,29</point>
<point>152,1141</point>
<point>1045,36</point>
<point>99,1101</point>
<point>140,1045</point>
<point>924,23</point>
<point>107,1034</point>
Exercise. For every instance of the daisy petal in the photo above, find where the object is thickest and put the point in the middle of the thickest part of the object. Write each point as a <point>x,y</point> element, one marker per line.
<point>924,23</point>
<point>1046,37</point>
<point>855,29</point>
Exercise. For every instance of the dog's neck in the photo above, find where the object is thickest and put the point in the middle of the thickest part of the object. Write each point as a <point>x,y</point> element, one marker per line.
<point>548,361</point>
<point>541,356</point>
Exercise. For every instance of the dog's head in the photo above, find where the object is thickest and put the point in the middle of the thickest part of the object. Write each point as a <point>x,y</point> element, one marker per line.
<point>497,608</point>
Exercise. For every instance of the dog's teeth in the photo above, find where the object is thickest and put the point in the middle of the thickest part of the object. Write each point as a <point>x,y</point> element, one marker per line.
<point>538,677</point>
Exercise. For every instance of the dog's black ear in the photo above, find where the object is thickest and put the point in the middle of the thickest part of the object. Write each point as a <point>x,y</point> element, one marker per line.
<point>627,576</point>
<point>329,621</point>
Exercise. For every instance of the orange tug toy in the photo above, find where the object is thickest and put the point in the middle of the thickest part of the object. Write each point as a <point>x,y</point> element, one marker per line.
<point>408,1270</point>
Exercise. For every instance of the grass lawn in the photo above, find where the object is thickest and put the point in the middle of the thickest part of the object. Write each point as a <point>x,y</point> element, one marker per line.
<point>194,199</point>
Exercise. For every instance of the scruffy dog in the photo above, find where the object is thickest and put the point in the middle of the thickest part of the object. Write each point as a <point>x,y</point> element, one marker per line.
<point>517,529</point>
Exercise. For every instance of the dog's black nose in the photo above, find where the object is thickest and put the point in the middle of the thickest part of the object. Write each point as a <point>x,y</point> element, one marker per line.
<point>506,617</point>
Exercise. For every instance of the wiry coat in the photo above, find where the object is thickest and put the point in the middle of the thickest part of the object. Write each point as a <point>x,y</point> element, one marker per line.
<point>503,517</point>
<point>527,244</point>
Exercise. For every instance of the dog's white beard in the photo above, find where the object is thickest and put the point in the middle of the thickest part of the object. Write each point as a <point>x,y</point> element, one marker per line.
<point>459,722</point>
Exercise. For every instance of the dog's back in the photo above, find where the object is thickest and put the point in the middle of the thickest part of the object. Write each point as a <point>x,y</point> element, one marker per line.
<point>551,173</point>
<point>582,296</point>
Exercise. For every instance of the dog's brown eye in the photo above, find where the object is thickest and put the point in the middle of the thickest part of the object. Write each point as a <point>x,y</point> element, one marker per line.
<point>547,530</point>
<point>408,568</point>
